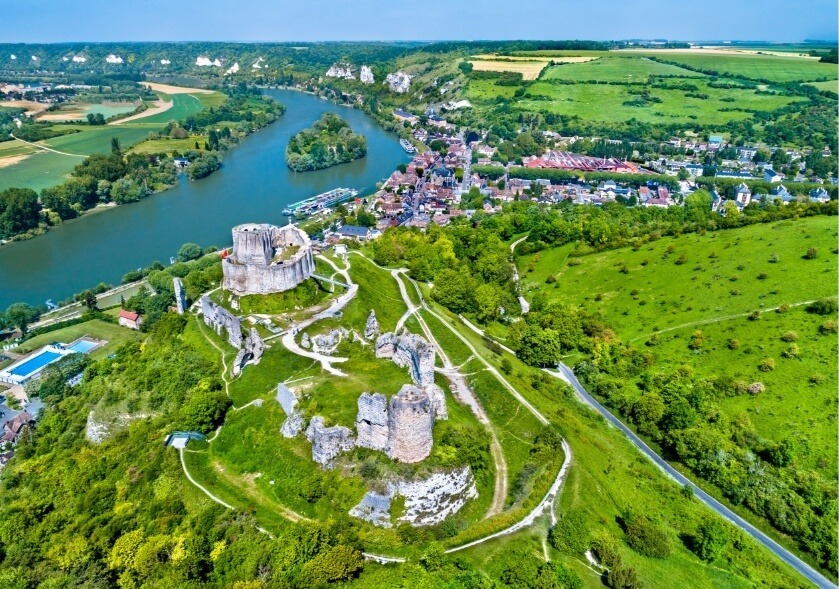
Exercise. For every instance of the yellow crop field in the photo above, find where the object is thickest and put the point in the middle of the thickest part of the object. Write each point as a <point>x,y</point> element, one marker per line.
<point>528,67</point>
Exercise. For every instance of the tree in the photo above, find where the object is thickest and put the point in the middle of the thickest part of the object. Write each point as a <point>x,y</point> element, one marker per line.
<point>646,538</point>
<point>711,539</point>
<point>189,251</point>
<point>622,577</point>
<point>19,211</point>
<point>90,301</point>
<point>204,411</point>
<point>21,315</point>
<point>116,149</point>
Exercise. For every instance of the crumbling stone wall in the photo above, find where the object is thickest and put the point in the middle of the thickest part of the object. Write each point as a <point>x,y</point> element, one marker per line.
<point>411,351</point>
<point>219,319</point>
<point>328,442</point>
<point>294,422</point>
<point>251,351</point>
<point>371,424</point>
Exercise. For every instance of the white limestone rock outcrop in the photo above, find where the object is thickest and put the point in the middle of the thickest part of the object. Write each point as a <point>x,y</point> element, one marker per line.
<point>410,425</point>
<point>305,342</point>
<point>398,82</point>
<point>327,343</point>
<point>232,69</point>
<point>366,75</point>
<point>340,70</point>
<point>328,442</point>
<point>430,501</point>
<point>371,423</point>
<point>371,330</point>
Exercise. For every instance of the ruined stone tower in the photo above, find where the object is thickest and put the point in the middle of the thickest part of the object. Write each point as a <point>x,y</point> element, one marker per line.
<point>267,259</point>
<point>410,423</point>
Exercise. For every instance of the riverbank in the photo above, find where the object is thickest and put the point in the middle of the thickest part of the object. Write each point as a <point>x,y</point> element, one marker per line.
<point>254,185</point>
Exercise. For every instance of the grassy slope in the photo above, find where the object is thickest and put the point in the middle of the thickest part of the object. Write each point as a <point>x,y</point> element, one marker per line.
<point>670,294</point>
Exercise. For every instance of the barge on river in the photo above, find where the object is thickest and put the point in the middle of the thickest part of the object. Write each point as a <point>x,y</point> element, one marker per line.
<point>312,205</point>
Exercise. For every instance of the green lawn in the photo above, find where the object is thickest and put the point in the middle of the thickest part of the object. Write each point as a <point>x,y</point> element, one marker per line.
<point>830,85</point>
<point>719,276</point>
<point>606,103</point>
<point>757,67</point>
<point>115,335</point>
<point>615,69</point>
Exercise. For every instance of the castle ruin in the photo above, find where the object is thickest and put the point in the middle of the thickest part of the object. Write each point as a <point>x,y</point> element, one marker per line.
<point>267,259</point>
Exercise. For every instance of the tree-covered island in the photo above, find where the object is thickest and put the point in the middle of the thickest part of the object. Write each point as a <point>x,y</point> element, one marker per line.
<point>329,142</point>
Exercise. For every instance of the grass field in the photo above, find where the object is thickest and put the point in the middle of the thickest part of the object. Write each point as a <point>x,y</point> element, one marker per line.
<point>529,70</point>
<point>658,293</point>
<point>757,67</point>
<point>98,139</point>
<point>115,335</point>
<point>169,145</point>
<point>829,85</point>
<point>38,171</point>
<point>616,69</point>
<point>607,103</point>
<point>78,112</point>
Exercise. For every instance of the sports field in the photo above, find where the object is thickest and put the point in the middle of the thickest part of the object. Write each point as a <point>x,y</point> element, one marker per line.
<point>616,69</point>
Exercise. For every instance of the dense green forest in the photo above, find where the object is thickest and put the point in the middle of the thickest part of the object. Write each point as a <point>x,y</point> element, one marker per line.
<point>329,142</point>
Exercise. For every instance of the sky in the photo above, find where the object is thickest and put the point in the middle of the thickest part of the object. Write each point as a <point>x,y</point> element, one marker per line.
<point>46,21</point>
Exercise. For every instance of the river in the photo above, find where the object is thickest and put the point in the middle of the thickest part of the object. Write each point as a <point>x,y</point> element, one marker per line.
<point>254,185</point>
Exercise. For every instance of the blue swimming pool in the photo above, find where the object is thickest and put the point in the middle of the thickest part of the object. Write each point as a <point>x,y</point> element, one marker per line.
<point>82,346</point>
<point>35,363</point>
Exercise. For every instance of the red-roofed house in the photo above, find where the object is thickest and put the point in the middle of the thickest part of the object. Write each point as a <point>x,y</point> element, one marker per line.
<point>13,428</point>
<point>130,319</point>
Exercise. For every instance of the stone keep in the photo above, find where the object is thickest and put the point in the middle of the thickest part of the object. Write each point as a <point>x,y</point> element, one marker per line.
<point>180,295</point>
<point>410,423</point>
<point>220,318</point>
<point>371,423</point>
<point>267,259</point>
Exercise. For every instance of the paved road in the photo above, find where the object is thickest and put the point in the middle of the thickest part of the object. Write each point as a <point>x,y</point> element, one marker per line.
<point>799,565</point>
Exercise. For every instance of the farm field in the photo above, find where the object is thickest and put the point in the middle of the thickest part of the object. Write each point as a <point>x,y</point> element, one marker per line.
<point>607,103</point>
<point>616,69</point>
<point>829,85</point>
<point>169,145</point>
<point>184,105</point>
<point>38,171</point>
<point>764,67</point>
<point>97,139</point>
<point>529,69</point>
<point>720,275</point>
<point>78,112</point>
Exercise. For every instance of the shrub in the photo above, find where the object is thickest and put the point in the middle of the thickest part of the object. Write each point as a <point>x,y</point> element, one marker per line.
<point>789,336</point>
<point>762,276</point>
<point>605,549</point>
<point>733,344</point>
<point>754,315</point>
<point>681,260</point>
<point>829,326</point>
<point>791,352</point>
<point>811,254</point>
<point>711,539</point>
<point>783,308</point>
<point>598,297</point>
<point>756,388</point>
<point>696,340</point>
<point>735,292</point>
<point>817,379</point>
<point>767,365</point>
<point>823,307</point>
<point>774,259</point>
<point>574,262</point>
<point>550,279</point>
<point>646,538</point>
<point>622,577</point>
<point>189,251</point>
<point>734,278</point>
<point>633,292</point>
<point>570,534</point>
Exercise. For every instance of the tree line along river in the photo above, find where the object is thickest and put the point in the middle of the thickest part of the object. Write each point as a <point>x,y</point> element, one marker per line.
<point>254,185</point>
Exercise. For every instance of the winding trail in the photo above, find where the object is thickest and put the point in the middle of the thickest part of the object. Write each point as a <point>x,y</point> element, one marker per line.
<point>200,486</point>
<point>525,306</point>
<point>811,574</point>
<point>719,319</point>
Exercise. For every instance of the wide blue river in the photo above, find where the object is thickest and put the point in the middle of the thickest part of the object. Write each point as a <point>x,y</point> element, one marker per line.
<point>254,185</point>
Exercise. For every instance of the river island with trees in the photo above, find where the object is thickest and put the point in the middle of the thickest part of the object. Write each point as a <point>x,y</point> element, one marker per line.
<point>329,142</point>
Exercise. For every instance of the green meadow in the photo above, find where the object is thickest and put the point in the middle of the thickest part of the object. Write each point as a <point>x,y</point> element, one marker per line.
<point>615,69</point>
<point>756,67</point>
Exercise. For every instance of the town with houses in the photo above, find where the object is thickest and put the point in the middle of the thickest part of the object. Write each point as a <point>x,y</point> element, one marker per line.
<point>431,188</point>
